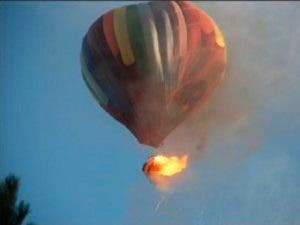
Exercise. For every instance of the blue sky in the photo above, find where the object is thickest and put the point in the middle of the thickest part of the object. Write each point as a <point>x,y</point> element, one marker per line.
<point>78,166</point>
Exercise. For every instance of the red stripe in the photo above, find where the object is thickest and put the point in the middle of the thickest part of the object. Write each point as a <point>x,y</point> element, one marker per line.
<point>192,19</point>
<point>180,28</point>
<point>109,33</point>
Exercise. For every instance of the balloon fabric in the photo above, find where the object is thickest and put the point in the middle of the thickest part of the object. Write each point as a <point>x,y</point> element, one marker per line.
<point>149,65</point>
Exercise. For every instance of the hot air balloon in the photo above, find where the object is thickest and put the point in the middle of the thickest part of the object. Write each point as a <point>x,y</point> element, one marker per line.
<point>150,65</point>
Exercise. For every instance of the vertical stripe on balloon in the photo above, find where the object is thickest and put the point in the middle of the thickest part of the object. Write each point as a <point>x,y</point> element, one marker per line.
<point>95,89</point>
<point>137,38</point>
<point>180,27</point>
<point>193,24</point>
<point>181,46</point>
<point>119,19</point>
<point>109,32</point>
<point>166,43</point>
<point>151,41</point>
<point>194,37</point>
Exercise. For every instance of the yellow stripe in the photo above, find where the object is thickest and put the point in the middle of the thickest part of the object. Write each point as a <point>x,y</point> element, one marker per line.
<point>121,32</point>
<point>218,35</point>
<point>220,40</point>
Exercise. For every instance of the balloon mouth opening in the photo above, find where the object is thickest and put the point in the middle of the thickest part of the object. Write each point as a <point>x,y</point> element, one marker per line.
<point>154,141</point>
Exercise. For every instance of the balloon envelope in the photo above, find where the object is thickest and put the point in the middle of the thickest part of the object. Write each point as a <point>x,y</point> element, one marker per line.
<point>150,65</point>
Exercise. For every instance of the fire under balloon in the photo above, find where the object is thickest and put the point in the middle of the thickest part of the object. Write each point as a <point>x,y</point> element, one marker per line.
<point>159,168</point>
<point>165,166</point>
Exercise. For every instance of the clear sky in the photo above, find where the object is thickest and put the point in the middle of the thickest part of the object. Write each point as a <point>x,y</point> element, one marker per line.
<point>78,166</point>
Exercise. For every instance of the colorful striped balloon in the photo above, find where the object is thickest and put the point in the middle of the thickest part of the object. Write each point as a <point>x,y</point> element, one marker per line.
<point>150,65</point>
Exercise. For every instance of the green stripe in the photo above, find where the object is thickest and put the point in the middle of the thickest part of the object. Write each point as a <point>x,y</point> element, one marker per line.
<point>137,38</point>
<point>151,41</point>
<point>92,85</point>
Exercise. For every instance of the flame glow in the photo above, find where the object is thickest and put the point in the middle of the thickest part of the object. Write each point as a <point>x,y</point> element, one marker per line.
<point>165,166</point>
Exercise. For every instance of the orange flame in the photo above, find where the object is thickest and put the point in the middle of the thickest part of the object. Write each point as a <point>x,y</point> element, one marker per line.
<point>165,166</point>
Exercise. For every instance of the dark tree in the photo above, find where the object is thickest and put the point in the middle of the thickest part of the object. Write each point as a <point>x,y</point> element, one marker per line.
<point>11,213</point>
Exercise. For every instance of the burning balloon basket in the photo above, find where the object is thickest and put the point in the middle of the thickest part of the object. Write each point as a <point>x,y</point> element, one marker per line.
<point>161,169</point>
